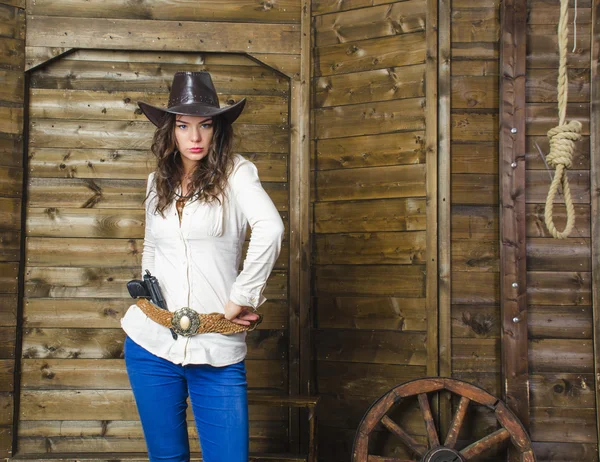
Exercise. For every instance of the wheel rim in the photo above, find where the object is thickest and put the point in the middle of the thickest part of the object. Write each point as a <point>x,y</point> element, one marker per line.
<point>436,451</point>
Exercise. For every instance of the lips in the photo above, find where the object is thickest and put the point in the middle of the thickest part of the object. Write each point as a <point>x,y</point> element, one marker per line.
<point>196,149</point>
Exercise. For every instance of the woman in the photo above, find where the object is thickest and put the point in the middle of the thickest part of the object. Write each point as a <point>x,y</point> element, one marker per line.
<point>199,201</point>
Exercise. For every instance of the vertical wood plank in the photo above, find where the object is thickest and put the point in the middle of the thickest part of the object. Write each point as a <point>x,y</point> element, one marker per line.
<point>299,290</point>
<point>12,60</point>
<point>431,147</point>
<point>512,208</point>
<point>444,209</point>
<point>594,197</point>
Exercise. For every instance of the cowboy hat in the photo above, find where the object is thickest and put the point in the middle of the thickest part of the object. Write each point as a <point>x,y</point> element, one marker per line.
<point>193,94</point>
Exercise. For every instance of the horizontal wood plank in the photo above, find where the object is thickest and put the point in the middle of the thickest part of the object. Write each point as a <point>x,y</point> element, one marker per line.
<point>370,118</point>
<point>370,151</point>
<point>474,222</point>
<point>569,425</point>
<point>98,70</point>
<point>476,355</point>
<point>107,313</point>
<point>350,345</point>
<point>118,105</point>
<point>380,53</point>
<point>475,321</point>
<point>475,255</point>
<point>469,127</point>
<point>371,183</point>
<point>385,313</point>
<point>559,254</point>
<point>8,309</point>
<point>65,31</point>
<point>13,86</point>
<point>474,92</point>
<point>90,374</point>
<point>558,288</point>
<point>42,343</point>
<point>11,149</point>
<point>90,134</point>
<point>370,86</point>
<point>370,248</point>
<point>398,281</point>
<point>203,10</point>
<point>573,322</point>
<point>378,21</point>
<point>475,25</point>
<point>561,355</point>
<point>562,390</point>
<point>86,223</point>
<point>471,287</point>
<point>536,224</point>
<point>474,189</point>
<point>352,379</point>
<point>101,193</point>
<point>537,184</point>
<point>113,405</point>
<point>75,282</point>
<point>373,215</point>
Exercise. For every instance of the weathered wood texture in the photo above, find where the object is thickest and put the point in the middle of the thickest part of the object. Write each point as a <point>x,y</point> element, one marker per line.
<point>88,160</point>
<point>475,227</point>
<point>513,247</point>
<point>594,196</point>
<point>375,239</point>
<point>54,28</point>
<point>560,289</point>
<point>12,94</point>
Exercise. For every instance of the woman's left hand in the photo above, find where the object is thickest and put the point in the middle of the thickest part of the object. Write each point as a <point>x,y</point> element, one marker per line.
<point>238,314</point>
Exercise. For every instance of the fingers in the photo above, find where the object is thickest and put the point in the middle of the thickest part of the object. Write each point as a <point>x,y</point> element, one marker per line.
<point>245,318</point>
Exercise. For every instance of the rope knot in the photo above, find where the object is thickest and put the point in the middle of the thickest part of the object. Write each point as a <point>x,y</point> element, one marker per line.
<point>562,143</point>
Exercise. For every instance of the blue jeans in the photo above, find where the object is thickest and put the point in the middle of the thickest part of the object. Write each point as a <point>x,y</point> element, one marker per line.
<point>219,401</point>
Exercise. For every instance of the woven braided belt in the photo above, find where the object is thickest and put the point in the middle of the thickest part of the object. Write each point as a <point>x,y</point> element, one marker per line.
<point>188,322</point>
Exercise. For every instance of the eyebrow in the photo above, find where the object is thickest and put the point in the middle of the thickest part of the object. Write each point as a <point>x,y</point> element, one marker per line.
<point>188,123</point>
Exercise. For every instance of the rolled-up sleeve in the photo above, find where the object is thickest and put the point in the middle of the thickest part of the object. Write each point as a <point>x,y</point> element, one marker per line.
<point>265,239</point>
<point>149,247</point>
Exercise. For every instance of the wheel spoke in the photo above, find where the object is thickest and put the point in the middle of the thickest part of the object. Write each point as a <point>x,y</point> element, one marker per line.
<point>485,443</point>
<point>457,422</point>
<point>392,426</point>
<point>432,435</point>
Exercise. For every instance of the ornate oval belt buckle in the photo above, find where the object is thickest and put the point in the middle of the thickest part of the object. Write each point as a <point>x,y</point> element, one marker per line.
<point>185,322</point>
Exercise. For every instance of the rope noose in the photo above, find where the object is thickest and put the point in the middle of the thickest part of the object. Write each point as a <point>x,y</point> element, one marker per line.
<point>562,137</point>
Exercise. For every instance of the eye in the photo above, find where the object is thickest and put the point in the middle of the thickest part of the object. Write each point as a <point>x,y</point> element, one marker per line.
<point>207,125</point>
<point>182,126</point>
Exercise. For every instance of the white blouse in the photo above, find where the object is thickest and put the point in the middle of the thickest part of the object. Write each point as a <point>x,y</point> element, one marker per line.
<point>196,264</point>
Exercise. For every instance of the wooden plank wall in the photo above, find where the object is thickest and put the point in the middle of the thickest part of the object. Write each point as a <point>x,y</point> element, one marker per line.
<point>474,230</point>
<point>369,210</point>
<point>88,163</point>
<point>562,417</point>
<point>12,63</point>
<point>561,362</point>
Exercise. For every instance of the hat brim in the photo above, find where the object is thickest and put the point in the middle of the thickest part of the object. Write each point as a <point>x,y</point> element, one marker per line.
<point>156,114</point>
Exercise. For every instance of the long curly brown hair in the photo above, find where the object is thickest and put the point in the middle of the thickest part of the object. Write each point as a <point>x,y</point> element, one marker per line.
<point>209,179</point>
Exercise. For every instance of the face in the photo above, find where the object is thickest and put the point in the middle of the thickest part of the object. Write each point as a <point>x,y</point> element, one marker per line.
<point>193,136</point>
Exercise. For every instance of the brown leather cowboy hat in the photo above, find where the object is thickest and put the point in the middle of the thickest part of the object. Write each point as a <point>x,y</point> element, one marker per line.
<point>193,94</point>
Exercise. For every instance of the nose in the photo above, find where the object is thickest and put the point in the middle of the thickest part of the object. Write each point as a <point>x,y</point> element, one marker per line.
<point>195,134</point>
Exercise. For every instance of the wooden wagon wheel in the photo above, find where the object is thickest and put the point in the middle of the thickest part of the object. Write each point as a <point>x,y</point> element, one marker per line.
<point>436,451</point>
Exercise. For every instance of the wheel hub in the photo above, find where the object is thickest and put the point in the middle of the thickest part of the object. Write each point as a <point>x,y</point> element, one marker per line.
<point>441,454</point>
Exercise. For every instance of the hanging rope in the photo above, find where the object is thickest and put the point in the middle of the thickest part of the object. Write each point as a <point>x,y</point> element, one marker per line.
<point>562,137</point>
